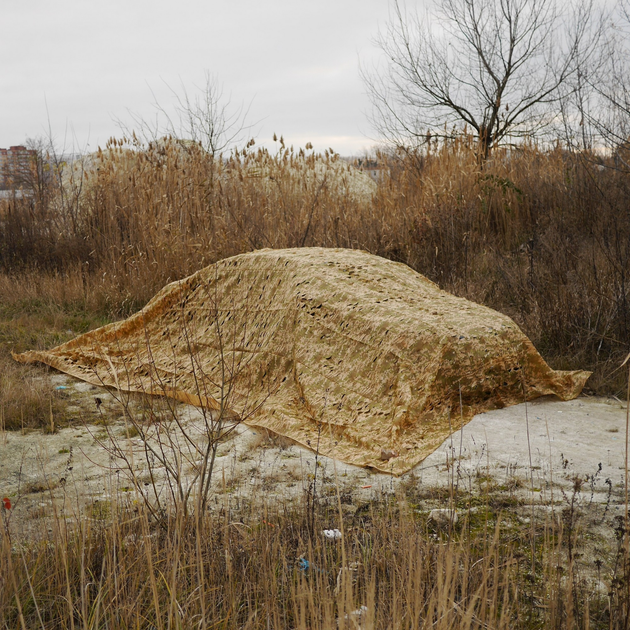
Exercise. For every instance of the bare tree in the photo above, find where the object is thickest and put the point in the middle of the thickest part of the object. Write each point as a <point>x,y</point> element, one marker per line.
<point>608,85</point>
<point>205,116</point>
<point>179,451</point>
<point>495,67</point>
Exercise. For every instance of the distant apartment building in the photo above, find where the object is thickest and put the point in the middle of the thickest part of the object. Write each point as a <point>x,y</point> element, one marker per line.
<point>16,167</point>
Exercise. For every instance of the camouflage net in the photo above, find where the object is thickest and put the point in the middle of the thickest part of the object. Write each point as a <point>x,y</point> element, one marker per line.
<point>347,353</point>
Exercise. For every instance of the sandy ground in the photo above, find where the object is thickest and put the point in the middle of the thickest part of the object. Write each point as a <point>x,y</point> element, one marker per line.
<point>544,453</point>
<point>547,442</point>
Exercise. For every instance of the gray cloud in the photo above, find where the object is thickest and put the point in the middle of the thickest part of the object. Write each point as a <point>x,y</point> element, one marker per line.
<point>295,61</point>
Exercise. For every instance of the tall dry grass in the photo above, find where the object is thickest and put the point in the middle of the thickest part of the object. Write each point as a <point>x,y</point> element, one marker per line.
<point>113,567</point>
<point>543,235</point>
<point>37,311</point>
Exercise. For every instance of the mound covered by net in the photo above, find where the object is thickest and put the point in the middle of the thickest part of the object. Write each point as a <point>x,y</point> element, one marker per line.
<point>347,353</point>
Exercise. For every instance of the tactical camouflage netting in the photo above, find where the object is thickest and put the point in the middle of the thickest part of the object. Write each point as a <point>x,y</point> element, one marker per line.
<point>336,349</point>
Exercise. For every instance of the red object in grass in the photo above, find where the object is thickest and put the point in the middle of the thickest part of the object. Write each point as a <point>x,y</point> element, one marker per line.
<point>7,503</point>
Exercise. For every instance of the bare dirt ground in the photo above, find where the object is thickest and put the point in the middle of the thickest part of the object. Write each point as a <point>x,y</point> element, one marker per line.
<point>544,459</point>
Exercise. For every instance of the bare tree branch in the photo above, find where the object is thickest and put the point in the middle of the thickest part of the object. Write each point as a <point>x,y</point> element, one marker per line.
<point>205,116</point>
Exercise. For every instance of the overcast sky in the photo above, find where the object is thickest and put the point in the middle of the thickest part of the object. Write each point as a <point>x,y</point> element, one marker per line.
<point>84,64</point>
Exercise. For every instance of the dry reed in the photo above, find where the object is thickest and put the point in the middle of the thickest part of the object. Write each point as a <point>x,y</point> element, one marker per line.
<point>116,567</point>
<point>542,235</point>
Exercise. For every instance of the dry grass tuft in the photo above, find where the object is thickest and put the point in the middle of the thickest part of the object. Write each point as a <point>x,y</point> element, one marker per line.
<point>34,316</point>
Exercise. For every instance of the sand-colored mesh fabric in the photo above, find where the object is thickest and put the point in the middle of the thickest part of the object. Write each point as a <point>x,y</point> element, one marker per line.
<point>339,350</point>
